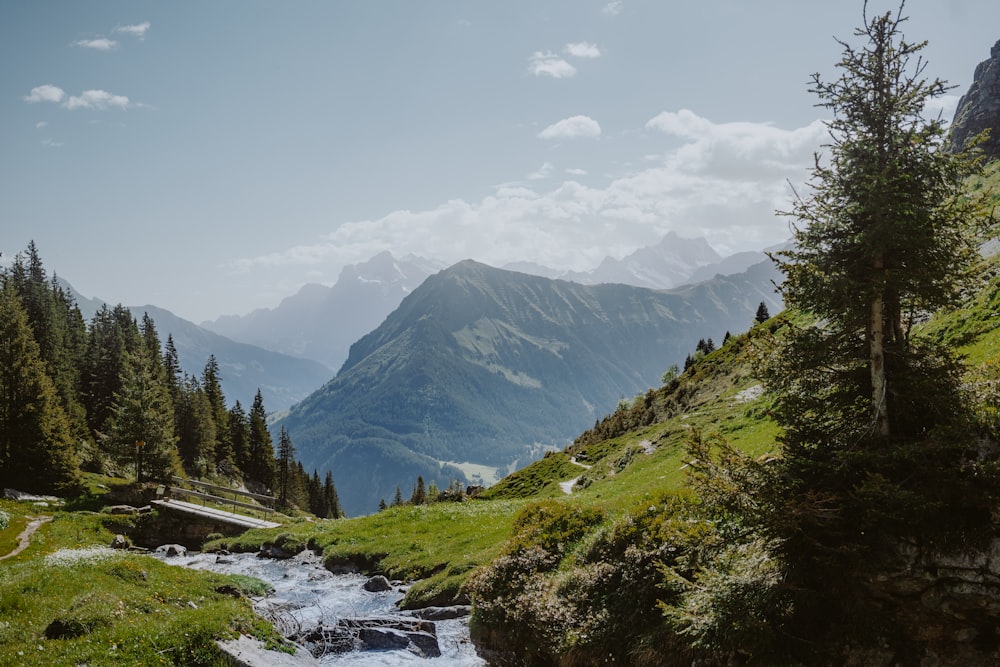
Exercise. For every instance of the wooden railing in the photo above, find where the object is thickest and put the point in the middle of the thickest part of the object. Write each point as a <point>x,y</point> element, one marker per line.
<point>218,499</point>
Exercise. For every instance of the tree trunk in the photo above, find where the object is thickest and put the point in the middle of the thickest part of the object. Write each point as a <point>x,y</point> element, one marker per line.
<point>876,359</point>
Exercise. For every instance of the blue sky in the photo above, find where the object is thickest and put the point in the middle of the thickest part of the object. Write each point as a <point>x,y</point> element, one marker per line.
<point>212,157</point>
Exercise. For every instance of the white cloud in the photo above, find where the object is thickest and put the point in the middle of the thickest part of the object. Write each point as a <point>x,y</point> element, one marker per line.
<point>613,8</point>
<point>46,93</point>
<point>572,128</point>
<point>574,171</point>
<point>738,149</point>
<point>137,30</point>
<point>40,124</point>
<point>100,44</point>
<point>550,64</point>
<point>543,172</point>
<point>583,50</point>
<point>51,143</point>
<point>721,181</point>
<point>98,100</point>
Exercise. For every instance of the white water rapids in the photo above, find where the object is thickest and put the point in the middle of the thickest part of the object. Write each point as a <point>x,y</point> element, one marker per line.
<point>307,594</point>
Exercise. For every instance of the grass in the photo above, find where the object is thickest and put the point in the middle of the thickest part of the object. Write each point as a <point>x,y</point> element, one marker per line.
<point>68,600</point>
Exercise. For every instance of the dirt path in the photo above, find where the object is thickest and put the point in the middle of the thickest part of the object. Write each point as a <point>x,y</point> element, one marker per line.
<point>24,539</point>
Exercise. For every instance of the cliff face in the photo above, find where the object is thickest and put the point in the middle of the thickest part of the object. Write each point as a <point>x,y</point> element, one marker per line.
<point>979,108</point>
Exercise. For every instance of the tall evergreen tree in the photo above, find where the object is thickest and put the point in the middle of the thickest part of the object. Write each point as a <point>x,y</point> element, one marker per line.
<point>285,465</point>
<point>36,444</point>
<point>330,498</point>
<point>260,464</point>
<point>762,314</point>
<point>211,381</point>
<point>195,429</point>
<point>876,445</point>
<point>239,438</point>
<point>140,429</point>
<point>172,367</point>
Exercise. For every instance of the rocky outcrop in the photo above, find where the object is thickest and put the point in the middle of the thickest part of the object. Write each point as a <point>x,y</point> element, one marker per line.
<point>979,108</point>
<point>949,605</point>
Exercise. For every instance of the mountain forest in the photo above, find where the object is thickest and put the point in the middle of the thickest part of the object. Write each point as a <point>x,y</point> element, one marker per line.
<point>821,488</point>
<point>107,397</point>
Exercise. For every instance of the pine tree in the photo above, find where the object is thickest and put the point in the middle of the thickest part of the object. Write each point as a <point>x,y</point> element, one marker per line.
<point>36,443</point>
<point>330,498</point>
<point>195,429</point>
<point>876,444</point>
<point>397,499</point>
<point>140,429</point>
<point>239,437</point>
<point>172,367</point>
<point>419,496</point>
<point>212,383</point>
<point>285,463</point>
<point>260,464</point>
<point>762,314</point>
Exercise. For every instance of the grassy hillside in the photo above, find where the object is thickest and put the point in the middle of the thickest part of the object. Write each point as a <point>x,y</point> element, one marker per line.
<point>69,600</point>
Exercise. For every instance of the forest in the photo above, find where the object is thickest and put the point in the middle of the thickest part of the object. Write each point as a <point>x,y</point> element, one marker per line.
<point>108,396</point>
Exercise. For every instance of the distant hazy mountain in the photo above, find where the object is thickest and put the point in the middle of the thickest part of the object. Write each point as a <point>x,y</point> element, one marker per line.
<point>669,263</point>
<point>282,379</point>
<point>484,365</point>
<point>320,322</point>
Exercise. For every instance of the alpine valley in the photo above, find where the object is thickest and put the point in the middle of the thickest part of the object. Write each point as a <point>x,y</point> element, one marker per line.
<point>479,370</point>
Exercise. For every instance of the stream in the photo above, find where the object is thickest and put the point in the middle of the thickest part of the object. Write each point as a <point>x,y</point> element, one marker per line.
<point>307,595</point>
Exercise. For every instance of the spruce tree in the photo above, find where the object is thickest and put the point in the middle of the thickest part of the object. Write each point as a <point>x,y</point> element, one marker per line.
<point>239,438</point>
<point>762,314</point>
<point>140,429</point>
<point>875,439</point>
<point>330,498</point>
<point>260,464</point>
<point>196,428</point>
<point>211,381</point>
<point>36,443</point>
<point>285,465</point>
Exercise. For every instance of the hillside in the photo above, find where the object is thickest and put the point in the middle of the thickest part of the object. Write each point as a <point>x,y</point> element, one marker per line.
<point>441,378</point>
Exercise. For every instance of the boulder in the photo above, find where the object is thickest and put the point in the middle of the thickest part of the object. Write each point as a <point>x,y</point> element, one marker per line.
<point>172,550</point>
<point>377,584</point>
<point>119,542</point>
<point>248,652</point>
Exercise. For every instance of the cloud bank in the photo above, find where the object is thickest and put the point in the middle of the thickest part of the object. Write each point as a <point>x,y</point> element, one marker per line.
<point>723,181</point>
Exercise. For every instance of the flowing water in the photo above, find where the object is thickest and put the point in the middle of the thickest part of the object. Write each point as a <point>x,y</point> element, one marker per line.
<point>306,595</point>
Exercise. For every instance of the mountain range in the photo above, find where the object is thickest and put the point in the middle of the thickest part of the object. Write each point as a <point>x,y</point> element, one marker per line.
<point>321,322</point>
<point>488,366</point>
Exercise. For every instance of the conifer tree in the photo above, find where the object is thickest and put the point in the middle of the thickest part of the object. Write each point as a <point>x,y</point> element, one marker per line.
<point>195,429</point>
<point>239,437</point>
<point>260,464</point>
<point>419,496</point>
<point>172,367</point>
<point>212,384</point>
<point>330,498</point>
<point>876,444</point>
<point>762,313</point>
<point>140,429</point>
<point>36,444</point>
<point>285,464</point>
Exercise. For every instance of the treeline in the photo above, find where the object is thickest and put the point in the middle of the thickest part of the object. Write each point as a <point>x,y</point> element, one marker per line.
<point>109,397</point>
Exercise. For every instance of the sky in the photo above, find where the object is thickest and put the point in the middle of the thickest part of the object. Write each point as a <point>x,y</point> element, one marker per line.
<point>212,157</point>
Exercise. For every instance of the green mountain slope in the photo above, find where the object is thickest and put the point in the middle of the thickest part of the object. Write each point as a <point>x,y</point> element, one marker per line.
<point>485,366</point>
